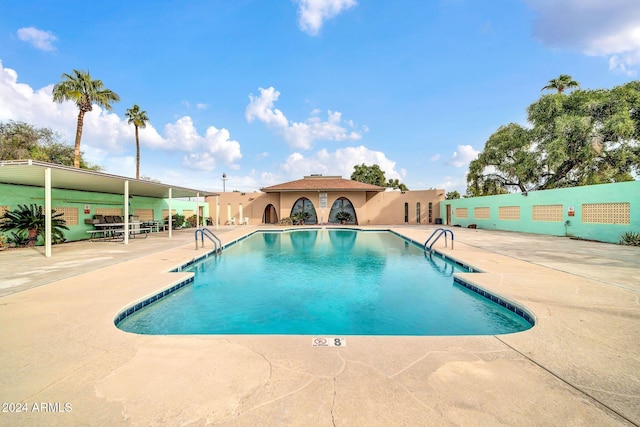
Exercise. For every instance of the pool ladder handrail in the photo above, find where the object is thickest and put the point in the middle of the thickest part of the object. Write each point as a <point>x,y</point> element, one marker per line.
<point>217,243</point>
<point>438,232</point>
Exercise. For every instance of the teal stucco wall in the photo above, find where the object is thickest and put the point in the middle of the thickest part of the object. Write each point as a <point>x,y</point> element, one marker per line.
<point>595,212</point>
<point>13,195</point>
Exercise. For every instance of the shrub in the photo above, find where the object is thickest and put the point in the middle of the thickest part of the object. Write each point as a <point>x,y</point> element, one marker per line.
<point>18,239</point>
<point>191,221</point>
<point>286,221</point>
<point>344,216</point>
<point>178,220</point>
<point>31,220</point>
<point>630,238</point>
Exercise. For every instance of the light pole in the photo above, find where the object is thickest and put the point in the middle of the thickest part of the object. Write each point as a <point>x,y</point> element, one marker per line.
<point>224,182</point>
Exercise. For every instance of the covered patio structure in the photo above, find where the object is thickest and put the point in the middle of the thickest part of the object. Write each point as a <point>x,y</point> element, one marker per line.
<point>49,176</point>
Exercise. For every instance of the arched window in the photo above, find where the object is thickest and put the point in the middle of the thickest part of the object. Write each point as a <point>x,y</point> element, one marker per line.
<point>430,212</point>
<point>305,207</point>
<point>342,204</point>
<point>406,212</point>
<point>418,212</point>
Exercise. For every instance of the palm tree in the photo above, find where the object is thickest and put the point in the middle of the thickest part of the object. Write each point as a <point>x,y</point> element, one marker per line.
<point>79,88</point>
<point>32,220</point>
<point>563,82</point>
<point>139,119</point>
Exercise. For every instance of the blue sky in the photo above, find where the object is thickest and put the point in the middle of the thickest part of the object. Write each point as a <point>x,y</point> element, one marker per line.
<point>270,90</point>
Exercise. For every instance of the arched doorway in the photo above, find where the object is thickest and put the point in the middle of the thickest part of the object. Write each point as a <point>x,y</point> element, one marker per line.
<point>270,216</point>
<point>342,204</point>
<point>304,206</point>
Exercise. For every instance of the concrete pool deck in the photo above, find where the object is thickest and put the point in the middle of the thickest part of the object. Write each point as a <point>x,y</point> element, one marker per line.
<point>65,363</point>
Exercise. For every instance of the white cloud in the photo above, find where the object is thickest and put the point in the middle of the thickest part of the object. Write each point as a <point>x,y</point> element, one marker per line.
<point>339,162</point>
<point>463,156</point>
<point>435,158</point>
<point>298,134</point>
<point>261,108</point>
<point>106,135</point>
<point>313,13</point>
<point>39,39</point>
<point>609,28</point>
<point>198,105</point>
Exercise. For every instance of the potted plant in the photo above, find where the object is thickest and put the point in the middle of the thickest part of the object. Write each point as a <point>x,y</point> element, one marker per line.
<point>300,217</point>
<point>344,217</point>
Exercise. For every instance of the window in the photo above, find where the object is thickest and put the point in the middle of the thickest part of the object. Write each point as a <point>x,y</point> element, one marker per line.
<point>462,212</point>
<point>418,212</point>
<point>70,215</point>
<point>406,212</point>
<point>342,204</point>
<point>144,214</point>
<point>430,212</point>
<point>481,213</point>
<point>305,205</point>
<point>509,212</point>
<point>548,213</point>
<point>165,212</point>
<point>606,213</point>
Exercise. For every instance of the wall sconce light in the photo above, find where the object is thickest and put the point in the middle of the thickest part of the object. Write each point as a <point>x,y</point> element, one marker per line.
<point>525,194</point>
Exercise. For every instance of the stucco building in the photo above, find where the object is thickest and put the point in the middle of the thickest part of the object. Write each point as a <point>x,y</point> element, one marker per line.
<point>322,198</point>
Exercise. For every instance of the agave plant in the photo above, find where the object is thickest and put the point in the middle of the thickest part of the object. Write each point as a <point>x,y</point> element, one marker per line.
<point>630,238</point>
<point>31,219</point>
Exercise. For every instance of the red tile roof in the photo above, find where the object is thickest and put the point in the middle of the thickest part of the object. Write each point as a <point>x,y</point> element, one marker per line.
<point>322,183</point>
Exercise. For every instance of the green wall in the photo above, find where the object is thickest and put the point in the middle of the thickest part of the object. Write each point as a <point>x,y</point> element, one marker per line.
<point>13,195</point>
<point>575,197</point>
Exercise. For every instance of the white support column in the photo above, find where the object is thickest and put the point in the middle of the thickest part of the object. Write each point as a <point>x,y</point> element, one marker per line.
<point>170,215</point>
<point>126,212</point>
<point>197,210</point>
<point>47,212</point>
<point>217,211</point>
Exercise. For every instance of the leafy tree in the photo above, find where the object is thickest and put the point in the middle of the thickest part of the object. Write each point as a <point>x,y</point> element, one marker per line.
<point>451,195</point>
<point>32,220</point>
<point>374,175</point>
<point>564,81</point>
<point>396,184</point>
<point>139,119</point>
<point>81,89</point>
<point>19,140</point>
<point>369,175</point>
<point>506,161</point>
<point>586,137</point>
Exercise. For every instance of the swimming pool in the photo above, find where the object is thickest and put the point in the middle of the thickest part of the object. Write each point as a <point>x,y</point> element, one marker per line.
<point>324,282</point>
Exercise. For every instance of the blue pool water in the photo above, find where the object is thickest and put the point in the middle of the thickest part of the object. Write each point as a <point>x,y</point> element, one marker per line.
<point>324,282</point>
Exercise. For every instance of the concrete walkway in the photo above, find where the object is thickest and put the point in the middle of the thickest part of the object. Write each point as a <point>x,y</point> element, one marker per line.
<point>65,363</point>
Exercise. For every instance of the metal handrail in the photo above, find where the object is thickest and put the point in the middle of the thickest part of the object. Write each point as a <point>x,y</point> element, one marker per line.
<point>217,243</point>
<point>438,232</point>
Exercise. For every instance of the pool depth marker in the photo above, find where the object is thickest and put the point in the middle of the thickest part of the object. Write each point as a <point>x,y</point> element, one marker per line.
<point>328,342</point>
